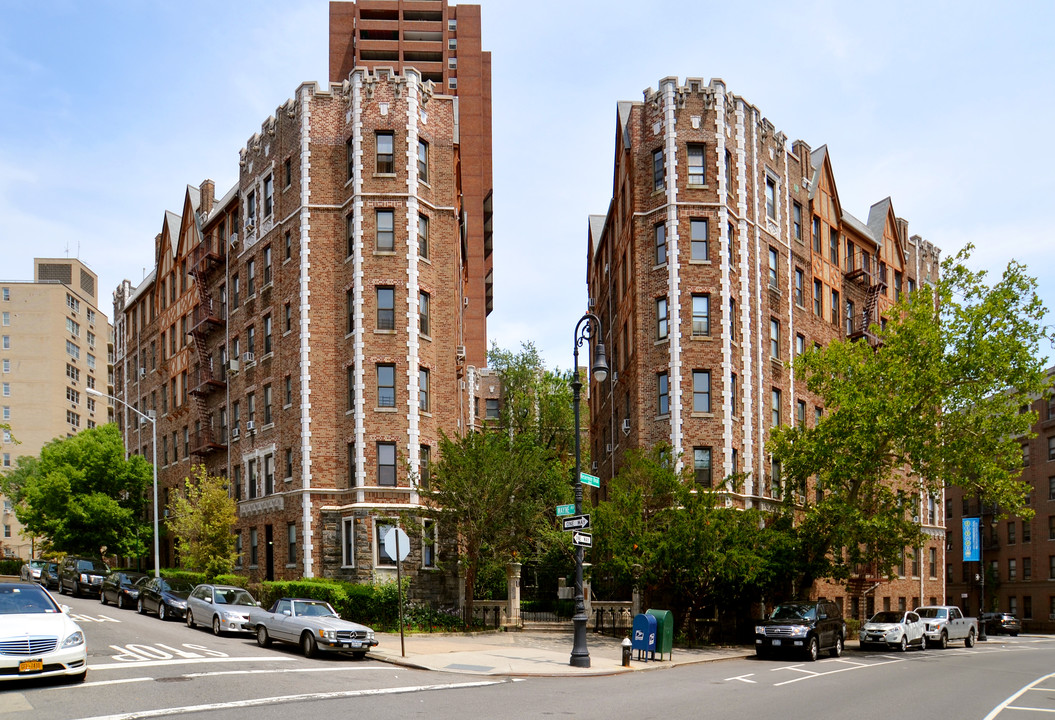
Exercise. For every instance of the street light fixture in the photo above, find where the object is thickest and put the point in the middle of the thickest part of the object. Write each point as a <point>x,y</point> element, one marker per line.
<point>584,330</point>
<point>152,418</point>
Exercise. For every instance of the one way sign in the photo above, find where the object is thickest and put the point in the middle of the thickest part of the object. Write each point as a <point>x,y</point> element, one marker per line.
<point>582,539</point>
<point>577,522</point>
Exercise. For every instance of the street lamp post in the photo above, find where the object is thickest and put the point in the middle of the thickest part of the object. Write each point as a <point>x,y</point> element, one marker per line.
<point>152,418</point>
<point>584,330</point>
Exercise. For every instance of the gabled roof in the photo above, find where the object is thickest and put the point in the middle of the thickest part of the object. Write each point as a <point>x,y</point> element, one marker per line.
<point>848,219</point>
<point>142,287</point>
<point>596,231</point>
<point>817,162</point>
<point>877,216</point>
<point>623,110</point>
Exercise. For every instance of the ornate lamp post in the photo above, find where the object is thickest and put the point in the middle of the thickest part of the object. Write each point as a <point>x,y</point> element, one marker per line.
<point>584,330</point>
<point>152,418</point>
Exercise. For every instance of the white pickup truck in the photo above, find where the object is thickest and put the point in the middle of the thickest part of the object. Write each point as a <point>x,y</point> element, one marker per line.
<point>943,623</point>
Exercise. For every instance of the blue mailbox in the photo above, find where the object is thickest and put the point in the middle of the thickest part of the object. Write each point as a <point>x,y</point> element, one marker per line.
<point>643,637</point>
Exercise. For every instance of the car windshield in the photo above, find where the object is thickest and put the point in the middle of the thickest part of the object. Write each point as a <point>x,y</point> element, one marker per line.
<point>92,566</point>
<point>37,564</point>
<point>939,613</point>
<point>795,611</point>
<point>312,609</point>
<point>230,596</point>
<point>179,586</point>
<point>887,617</point>
<point>26,599</point>
<point>53,567</point>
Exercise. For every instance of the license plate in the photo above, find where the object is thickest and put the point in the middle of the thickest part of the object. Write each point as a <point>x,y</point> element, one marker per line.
<point>31,666</point>
<point>352,643</point>
<point>776,642</point>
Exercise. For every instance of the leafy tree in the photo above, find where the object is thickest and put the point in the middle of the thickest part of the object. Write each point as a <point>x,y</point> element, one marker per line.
<point>202,519</point>
<point>497,493</point>
<point>82,493</point>
<point>936,402</point>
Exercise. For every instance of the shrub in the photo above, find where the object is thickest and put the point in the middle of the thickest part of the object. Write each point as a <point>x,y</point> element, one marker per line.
<point>236,580</point>
<point>11,566</point>
<point>194,578</point>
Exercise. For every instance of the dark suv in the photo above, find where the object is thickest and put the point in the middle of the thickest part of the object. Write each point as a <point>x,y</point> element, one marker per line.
<point>81,575</point>
<point>1002,623</point>
<point>806,626</point>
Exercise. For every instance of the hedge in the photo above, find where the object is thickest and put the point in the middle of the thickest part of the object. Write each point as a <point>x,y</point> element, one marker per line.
<point>11,566</point>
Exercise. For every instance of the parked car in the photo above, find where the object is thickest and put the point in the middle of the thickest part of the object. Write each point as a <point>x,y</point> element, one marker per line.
<point>942,623</point>
<point>893,629</point>
<point>31,570</point>
<point>81,575</point>
<point>313,624</point>
<point>49,576</point>
<point>809,626</point>
<point>122,588</point>
<point>224,607</point>
<point>996,623</point>
<point>37,638</point>
<point>167,598</point>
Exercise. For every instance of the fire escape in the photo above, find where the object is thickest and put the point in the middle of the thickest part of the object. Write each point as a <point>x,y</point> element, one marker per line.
<point>865,271</point>
<point>208,318</point>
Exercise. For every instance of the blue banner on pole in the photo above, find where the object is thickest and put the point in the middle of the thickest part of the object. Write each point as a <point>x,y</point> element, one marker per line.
<point>971,540</point>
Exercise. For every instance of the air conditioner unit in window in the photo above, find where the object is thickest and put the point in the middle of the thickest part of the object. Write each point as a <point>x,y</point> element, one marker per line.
<point>250,426</point>
<point>459,352</point>
<point>608,447</point>
<point>594,465</point>
<point>234,433</point>
<point>232,366</point>
<point>142,372</point>
<point>615,377</point>
<point>626,425</point>
<point>248,357</point>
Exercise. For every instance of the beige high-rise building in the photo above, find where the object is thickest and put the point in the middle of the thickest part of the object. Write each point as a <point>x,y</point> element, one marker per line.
<point>54,344</point>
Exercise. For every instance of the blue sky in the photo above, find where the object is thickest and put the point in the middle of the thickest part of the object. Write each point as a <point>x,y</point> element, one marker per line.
<point>113,107</point>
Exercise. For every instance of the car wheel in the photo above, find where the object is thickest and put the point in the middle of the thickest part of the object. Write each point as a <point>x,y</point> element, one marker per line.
<point>216,626</point>
<point>943,641</point>
<point>813,650</point>
<point>141,607</point>
<point>76,591</point>
<point>969,642</point>
<point>262,638</point>
<point>359,655</point>
<point>903,645</point>
<point>62,588</point>
<point>761,654</point>
<point>1013,634</point>
<point>308,646</point>
<point>102,597</point>
<point>190,619</point>
<point>162,612</point>
<point>838,649</point>
<point>120,601</point>
<point>79,677</point>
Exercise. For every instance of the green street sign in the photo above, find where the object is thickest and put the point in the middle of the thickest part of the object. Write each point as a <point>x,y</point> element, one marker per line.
<point>587,479</point>
<point>565,510</point>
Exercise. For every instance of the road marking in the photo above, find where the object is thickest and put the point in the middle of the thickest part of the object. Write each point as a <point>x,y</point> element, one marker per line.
<point>834,672</point>
<point>743,678</point>
<point>89,618</point>
<point>188,661</point>
<point>257,702</point>
<point>150,678</point>
<point>1002,706</point>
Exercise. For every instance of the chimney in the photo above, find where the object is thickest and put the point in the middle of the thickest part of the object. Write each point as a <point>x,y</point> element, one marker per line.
<point>208,196</point>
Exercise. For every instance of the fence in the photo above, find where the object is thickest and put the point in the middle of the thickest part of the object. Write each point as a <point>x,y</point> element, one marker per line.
<point>613,618</point>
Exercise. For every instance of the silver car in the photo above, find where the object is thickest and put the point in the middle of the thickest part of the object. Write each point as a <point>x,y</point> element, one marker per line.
<point>893,629</point>
<point>224,607</point>
<point>314,625</point>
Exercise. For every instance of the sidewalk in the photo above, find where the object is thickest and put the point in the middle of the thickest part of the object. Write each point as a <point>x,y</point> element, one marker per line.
<point>528,653</point>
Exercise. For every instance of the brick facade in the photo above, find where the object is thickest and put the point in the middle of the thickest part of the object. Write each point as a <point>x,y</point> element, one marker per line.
<point>703,273</point>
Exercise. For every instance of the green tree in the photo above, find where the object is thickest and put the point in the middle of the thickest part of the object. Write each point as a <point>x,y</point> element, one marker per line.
<point>83,494</point>
<point>202,519</point>
<point>936,402</point>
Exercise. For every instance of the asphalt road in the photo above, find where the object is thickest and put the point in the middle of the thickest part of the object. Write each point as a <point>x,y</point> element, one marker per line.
<point>140,667</point>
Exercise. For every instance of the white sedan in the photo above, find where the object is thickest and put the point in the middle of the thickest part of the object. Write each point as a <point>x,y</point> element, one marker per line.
<point>37,638</point>
<point>893,629</point>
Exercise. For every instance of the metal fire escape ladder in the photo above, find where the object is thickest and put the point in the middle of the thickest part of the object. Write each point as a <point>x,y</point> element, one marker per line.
<point>205,321</point>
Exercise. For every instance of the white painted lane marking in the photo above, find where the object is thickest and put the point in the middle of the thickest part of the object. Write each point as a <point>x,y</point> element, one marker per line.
<point>257,702</point>
<point>1000,708</point>
<point>96,683</point>
<point>1030,709</point>
<point>743,678</point>
<point>834,672</point>
<point>98,619</point>
<point>191,661</point>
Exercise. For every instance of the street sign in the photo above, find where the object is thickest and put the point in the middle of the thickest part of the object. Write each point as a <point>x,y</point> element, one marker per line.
<point>577,522</point>
<point>582,539</point>
<point>587,479</point>
<point>396,544</point>
<point>565,510</point>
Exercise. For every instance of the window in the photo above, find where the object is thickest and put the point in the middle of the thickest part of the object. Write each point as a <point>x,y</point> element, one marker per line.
<point>291,543</point>
<point>796,219</point>
<point>268,418</point>
<point>425,466</point>
<point>6,344</point>
<point>1051,448</point>
<point>1025,455</point>
<point>800,344</point>
<point>423,161</point>
<point>289,245</point>
<point>287,317</point>
<point>423,236</point>
<point>73,327</point>
<point>818,298</point>
<point>267,266</point>
<point>492,409</point>
<point>1027,532</point>
<point>73,351</point>
<point>833,245</point>
<point>423,389</point>
<point>267,335</point>
<point>932,563</point>
<point>800,413</point>
<point>660,233</point>
<point>250,339</point>
<point>428,544</point>
<point>701,391</point>
<point>349,155</point>
<point>658,180</point>
<point>774,338</point>
<point>386,386</point>
<point>701,315</point>
<point>696,168</point>
<point>1012,569</point>
<point>6,294</point>
<point>348,542</point>
<point>386,236</point>
<point>269,195</point>
<point>386,464</point>
<point>386,163</point>
<point>698,242</point>
<point>816,234</point>
<point>775,407</point>
<point>771,198</point>
<point>252,546</point>
<point>835,307</point>
<point>423,313</point>
<point>1027,568</point>
<point>701,465</point>
<point>733,392</point>
<point>799,290</point>
<point>250,281</point>
<point>1011,533</point>
<point>774,267</point>
<point>850,312</point>
<point>250,220</point>
<point>269,475</point>
<point>661,318</point>
<point>662,394</point>
<point>349,304</point>
<point>386,308</point>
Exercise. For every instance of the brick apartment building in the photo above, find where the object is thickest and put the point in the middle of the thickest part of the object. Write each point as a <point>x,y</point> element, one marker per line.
<point>444,43</point>
<point>304,334</point>
<point>1019,554</point>
<point>726,251</point>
